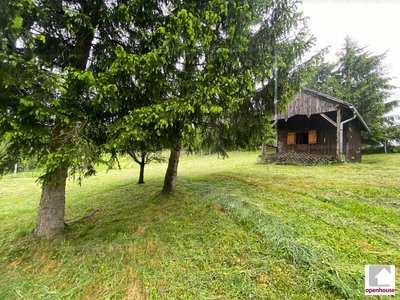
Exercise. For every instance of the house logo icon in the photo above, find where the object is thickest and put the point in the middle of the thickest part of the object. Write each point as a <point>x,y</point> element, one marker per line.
<point>379,280</point>
<point>383,278</point>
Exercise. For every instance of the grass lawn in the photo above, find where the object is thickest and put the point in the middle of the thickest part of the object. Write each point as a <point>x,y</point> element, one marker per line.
<point>234,229</point>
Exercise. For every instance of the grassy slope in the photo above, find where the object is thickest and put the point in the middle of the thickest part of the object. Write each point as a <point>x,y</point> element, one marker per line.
<point>232,230</point>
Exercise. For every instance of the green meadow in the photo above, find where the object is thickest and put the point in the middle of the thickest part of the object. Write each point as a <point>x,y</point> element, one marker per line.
<point>233,229</point>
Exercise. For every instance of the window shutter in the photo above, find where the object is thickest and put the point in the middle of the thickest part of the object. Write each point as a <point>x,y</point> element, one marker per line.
<point>291,138</point>
<point>312,137</point>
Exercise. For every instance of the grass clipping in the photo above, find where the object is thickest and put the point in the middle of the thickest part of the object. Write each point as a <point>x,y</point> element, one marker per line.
<point>319,260</point>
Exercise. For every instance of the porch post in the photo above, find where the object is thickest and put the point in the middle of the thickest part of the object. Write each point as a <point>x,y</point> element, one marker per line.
<point>338,121</point>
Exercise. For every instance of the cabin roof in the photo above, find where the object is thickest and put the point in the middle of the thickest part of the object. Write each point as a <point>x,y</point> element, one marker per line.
<point>312,102</point>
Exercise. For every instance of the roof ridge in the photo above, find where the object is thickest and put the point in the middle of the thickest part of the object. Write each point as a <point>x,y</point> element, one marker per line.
<point>329,97</point>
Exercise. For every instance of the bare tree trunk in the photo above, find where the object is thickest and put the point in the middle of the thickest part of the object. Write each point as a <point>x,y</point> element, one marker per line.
<point>172,171</point>
<point>50,218</point>
<point>142,164</point>
<point>15,170</point>
<point>141,174</point>
<point>262,148</point>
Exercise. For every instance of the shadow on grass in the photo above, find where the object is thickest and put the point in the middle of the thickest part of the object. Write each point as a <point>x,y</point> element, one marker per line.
<point>222,236</point>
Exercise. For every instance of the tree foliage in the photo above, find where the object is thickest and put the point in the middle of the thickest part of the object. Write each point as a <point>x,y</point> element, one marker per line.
<point>54,56</point>
<point>80,77</point>
<point>279,39</point>
<point>359,77</point>
<point>204,73</point>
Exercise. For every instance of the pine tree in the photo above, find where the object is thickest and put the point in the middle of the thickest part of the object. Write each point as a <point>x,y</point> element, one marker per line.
<point>359,77</point>
<point>56,95</point>
<point>81,74</point>
<point>214,55</point>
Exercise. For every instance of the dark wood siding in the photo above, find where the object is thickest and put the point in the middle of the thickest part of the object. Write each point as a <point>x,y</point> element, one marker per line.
<point>303,129</point>
<point>326,135</point>
<point>352,141</point>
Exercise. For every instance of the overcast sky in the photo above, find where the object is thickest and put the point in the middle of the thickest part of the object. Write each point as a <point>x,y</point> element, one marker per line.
<point>373,23</point>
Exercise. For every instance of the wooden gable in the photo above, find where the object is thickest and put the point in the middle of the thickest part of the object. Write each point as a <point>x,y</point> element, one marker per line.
<point>310,102</point>
<point>310,125</point>
<point>307,104</point>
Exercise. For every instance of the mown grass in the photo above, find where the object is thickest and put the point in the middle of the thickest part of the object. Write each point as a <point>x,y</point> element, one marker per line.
<point>234,229</point>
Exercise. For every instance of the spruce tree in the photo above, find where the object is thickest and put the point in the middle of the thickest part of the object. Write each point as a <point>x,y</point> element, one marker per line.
<point>56,96</point>
<point>359,77</point>
<point>213,73</point>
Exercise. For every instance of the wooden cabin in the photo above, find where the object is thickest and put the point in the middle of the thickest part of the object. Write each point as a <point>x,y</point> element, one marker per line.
<point>318,124</point>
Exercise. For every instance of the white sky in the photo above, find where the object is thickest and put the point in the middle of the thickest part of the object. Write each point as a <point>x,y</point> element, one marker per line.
<point>373,23</point>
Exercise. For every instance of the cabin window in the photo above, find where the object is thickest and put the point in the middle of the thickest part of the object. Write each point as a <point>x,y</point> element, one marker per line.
<point>302,137</point>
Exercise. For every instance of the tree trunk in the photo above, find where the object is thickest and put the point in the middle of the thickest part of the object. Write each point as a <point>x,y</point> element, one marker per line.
<point>15,170</point>
<point>262,148</point>
<point>142,165</point>
<point>50,218</point>
<point>172,171</point>
<point>141,174</point>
